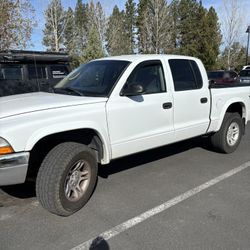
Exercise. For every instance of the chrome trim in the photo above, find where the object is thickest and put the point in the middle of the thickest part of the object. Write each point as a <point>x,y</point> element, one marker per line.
<point>13,168</point>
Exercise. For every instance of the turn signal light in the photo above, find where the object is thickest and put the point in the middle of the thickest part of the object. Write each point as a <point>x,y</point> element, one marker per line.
<point>6,150</point>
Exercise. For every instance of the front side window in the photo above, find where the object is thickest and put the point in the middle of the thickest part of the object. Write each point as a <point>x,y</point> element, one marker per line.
<point>150,76</point>
<point>95,78</point>
<point>186,74</point>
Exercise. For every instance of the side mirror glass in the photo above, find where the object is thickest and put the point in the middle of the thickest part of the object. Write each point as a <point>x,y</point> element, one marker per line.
<point>132,90</point>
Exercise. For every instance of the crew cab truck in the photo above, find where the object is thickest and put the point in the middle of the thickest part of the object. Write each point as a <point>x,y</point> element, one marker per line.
<point>111,108</point>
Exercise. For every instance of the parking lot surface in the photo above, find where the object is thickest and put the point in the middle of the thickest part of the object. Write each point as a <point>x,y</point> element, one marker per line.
<point>149,200</point>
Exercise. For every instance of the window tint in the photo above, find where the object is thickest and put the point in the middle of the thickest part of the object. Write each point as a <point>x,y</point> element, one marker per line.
<point>150,75</point>
<point>183,75</point>
<point>59,71</point>
<point>197,74</point>
<point>36,72</point>
<point>11,73</point>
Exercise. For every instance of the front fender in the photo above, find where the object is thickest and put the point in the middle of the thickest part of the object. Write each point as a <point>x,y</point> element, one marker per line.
<point>68,126</point>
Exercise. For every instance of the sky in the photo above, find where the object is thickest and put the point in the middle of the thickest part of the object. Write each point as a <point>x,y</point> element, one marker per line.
<point>41,5</point>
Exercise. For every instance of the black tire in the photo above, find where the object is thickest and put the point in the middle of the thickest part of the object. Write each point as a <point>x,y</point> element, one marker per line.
<point>219,140</point>
<point>59,175</point>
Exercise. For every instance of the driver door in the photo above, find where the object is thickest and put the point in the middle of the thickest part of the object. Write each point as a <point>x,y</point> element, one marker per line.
<point>145,121</point>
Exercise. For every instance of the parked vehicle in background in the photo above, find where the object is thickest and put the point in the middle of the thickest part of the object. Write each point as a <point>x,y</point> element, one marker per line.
<point>223,76</point>
<point>31,71</point>
<point>245,76</point>
<point>246,67</point>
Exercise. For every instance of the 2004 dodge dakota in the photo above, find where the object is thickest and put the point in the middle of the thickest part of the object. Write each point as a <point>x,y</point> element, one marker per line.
<point>110,108</point>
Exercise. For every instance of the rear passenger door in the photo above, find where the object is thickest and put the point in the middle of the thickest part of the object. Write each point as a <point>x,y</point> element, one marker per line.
<point>191,99</point>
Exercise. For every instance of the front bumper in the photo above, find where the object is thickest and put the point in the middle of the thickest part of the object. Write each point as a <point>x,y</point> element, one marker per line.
<point>13,168</point>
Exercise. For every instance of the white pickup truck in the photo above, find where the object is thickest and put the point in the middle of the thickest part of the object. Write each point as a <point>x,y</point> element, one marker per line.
<point>110,108</point>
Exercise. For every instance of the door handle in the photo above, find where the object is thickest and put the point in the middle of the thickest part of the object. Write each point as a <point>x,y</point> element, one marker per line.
<point>204,100</point>
<point>167,105</point>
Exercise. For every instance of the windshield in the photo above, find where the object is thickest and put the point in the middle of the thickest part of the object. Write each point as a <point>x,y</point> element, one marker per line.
<point>245,73</point>
<point>215,74</point>
<point>96,78</point>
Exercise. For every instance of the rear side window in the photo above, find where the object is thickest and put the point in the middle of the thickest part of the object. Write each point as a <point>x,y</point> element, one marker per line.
<point>37,72</point>
<point>59,71</point>
<point>186,74</point>
<point>11,73</point>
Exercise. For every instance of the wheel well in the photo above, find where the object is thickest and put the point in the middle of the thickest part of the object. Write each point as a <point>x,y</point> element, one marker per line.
<point>87,137</point>
<point>237,107</point>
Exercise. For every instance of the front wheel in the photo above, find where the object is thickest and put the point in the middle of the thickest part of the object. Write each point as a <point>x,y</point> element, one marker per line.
<point>66,178</point>
<point>228,138</point>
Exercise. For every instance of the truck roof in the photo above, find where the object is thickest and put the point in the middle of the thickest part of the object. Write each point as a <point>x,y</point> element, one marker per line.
<point>141,57</point>
<point>31,56</point>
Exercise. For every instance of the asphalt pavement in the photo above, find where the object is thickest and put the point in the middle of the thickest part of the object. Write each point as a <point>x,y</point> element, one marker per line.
<point>182,196</point>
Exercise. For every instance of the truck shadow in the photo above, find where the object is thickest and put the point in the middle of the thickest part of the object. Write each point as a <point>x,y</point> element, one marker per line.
<point>15,193</point>
<point>152,155</point>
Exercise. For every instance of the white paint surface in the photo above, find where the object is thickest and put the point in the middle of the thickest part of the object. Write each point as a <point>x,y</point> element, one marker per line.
<point>156,210</point>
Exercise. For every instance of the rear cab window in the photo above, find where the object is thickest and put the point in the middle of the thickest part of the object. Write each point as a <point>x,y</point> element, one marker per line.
<point>186,74</point>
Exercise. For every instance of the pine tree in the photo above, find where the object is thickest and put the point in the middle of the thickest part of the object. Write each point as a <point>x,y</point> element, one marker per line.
<point>81,26</point>
<point>130,23</point>
<point>157,26</point>
<point>173,18</point>
<point>70,41</point>
<point>188,26</point>
<point>97,17</point>
<point>117,40</point>
<point>94,46</point>
<point>142,37</point>
<point>54,26</point>
<point>212,39</point>
<point>69,32</point>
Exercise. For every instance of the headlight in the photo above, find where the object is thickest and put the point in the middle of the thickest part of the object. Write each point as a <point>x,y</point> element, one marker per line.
<point>5,147</point>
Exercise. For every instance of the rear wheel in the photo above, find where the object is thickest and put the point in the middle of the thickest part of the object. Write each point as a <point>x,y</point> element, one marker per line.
<point>66,178</point>
<point>228,138</point>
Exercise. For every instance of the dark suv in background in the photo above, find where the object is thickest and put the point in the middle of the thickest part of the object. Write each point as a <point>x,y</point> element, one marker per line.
<point>31,71</point>
<point>223,76</point>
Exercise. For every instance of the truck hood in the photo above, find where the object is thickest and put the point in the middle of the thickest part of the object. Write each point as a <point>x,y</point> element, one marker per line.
<point>32,102</point>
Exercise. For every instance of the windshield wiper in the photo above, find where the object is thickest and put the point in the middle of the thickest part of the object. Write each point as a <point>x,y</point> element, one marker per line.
<point>69,89</point>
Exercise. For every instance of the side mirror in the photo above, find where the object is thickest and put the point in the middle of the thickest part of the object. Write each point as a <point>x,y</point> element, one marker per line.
<point>132,90</point>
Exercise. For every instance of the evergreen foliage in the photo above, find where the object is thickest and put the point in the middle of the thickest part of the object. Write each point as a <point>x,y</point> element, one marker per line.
<point>117,39</point>
<point>55,23</point>
<point>130,25</point>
